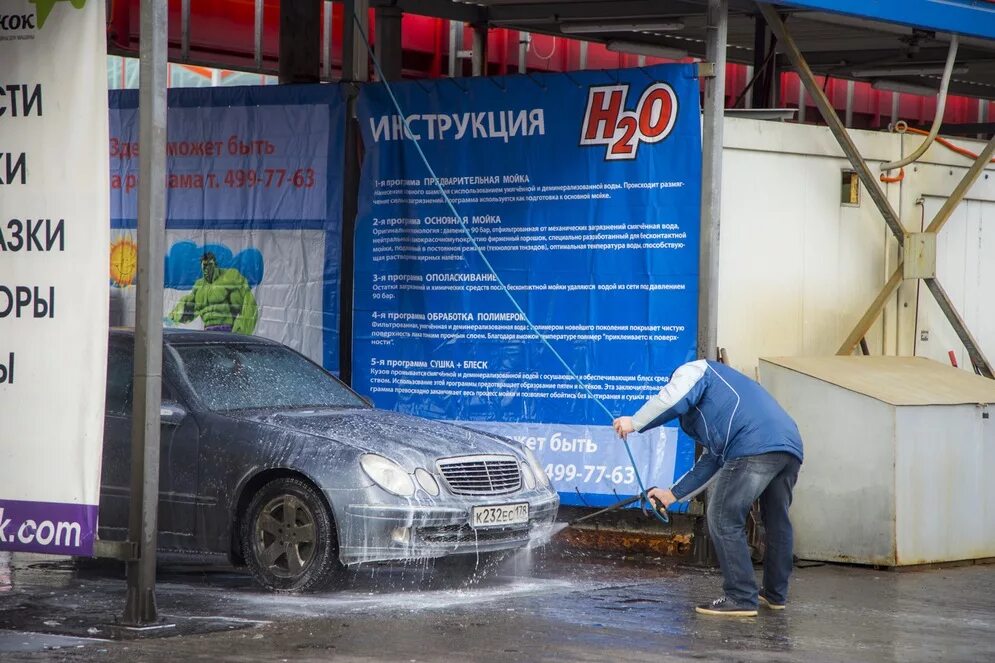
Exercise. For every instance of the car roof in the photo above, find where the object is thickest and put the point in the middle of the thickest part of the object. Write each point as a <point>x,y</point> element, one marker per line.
<point>172,336</point>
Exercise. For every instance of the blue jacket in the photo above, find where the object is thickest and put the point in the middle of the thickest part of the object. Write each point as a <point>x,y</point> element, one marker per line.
<point>729,414</point>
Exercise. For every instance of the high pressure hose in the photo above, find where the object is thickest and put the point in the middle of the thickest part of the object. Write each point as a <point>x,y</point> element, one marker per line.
<point>941,103</point>
<point>662,517</point>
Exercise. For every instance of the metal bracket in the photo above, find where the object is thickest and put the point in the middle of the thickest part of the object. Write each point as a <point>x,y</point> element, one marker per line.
<point>706,70</point>
<point>125,551</point>
<point>920,256</point>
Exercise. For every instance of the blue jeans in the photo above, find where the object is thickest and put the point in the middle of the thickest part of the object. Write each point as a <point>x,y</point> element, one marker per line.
<point>740,482</point>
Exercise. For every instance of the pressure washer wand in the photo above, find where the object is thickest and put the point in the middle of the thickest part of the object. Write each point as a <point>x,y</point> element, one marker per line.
<point>657,506</point>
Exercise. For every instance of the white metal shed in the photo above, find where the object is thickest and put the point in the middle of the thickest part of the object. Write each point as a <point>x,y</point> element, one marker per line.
<point>899,458</point>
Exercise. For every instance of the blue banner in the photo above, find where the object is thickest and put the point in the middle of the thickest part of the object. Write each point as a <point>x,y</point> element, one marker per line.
<point>254,208</point>
<point>583,192</point>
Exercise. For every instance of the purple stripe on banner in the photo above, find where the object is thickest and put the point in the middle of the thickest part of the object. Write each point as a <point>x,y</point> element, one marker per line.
<point>48,527</point>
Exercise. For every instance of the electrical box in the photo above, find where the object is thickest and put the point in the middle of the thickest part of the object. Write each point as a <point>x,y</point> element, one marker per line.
<point>898,458</point>
<point>849,188</point>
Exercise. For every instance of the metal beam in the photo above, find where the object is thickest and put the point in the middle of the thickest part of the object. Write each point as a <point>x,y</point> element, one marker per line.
<point>524,39</point>
<point>257,34</point>
<point>355,69</point>
<point>455,43</point>
<point>185,30</point>
<point>867,178</point>
<point>978,358</point>
<point>326,41</point>
<point>966,182</point>
<point>711,180</point>
<point>140,606</point>
<point>388,41</point>
<point>716,31</point>
<point>872,312</point>
<point>445,9</point>
<point>478,54</point>
<point>300,41</point>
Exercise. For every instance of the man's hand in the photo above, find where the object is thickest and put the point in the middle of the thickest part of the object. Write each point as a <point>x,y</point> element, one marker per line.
<point>623,426</point>
<point>663,495</point>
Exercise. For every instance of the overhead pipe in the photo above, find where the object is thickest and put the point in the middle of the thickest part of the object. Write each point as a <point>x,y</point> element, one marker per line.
<point>941,102</point>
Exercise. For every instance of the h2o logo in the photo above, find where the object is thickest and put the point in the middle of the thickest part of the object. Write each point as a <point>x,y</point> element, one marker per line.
<point>606,122</point>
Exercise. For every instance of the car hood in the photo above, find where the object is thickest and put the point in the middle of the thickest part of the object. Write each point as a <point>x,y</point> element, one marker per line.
<point>390,433</point>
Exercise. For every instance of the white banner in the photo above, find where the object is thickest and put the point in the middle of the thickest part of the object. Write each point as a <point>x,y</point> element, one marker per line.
<point>53,272</point>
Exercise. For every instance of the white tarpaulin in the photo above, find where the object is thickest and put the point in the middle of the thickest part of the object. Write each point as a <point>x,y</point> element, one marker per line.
<point>53,272</point>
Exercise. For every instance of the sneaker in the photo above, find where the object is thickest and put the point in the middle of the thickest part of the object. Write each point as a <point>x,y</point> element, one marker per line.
<point>765,602</point>
<point>723,607</point>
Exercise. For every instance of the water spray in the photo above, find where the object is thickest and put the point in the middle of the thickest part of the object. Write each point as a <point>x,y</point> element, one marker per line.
<point>657,509</point>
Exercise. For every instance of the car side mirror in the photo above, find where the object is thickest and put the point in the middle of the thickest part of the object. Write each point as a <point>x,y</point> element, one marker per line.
<point>172,413</point>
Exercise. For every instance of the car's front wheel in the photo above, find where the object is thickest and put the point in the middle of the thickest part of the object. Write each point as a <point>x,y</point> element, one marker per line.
<point>288,538</point>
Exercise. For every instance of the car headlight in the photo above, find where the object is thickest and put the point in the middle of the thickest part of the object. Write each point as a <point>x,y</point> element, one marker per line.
<point>528,478</point>
<point>540,474</point>
<point>427,481</point>
<point>388,475</point>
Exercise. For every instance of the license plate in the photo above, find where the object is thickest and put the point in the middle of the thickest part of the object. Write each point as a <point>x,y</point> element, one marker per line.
<point>499,514</point>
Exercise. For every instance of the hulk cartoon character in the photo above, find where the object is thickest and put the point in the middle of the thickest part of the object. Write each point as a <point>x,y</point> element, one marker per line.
<point>222,299</point>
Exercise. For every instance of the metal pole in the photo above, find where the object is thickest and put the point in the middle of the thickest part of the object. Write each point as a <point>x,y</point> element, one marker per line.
<point>355,69</point>
<point>711,179</point>
<point>185,31</point>
<point>801,104</point>
<point>982,114</point>
<point>583,56</point>
<point>257,34</point>
<point>388,41</point>
<point>848,115</point>
<point>326,41</point>
<point>455,41</point>
<point>300,41</point>
<point>760,91</point>
<point>478,54</point>
<point>140,607</point>
<point>894,108</point>
<point>524,38</point>
<point>716,33</point>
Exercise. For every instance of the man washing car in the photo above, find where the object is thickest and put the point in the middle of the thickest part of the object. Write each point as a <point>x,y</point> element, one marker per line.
<point>752,450</point>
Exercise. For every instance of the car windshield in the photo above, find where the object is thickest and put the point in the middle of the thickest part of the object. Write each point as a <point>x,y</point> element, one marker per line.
<point>243,376</point>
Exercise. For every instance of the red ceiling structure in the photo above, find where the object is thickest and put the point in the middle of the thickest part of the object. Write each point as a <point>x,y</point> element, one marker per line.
<point>222,34</point>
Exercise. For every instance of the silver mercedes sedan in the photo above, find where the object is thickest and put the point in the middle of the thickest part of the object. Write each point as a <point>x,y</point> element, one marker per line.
<point>270,460</point>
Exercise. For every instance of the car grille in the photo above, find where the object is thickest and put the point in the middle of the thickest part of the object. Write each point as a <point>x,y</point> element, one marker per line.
<point>481,475</point>
<point>464,534</point>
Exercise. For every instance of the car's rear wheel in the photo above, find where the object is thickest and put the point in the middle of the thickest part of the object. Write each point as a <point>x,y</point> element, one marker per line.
<point>288,538</point>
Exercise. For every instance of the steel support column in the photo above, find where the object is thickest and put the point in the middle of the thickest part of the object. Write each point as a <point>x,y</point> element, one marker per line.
<point>388,41</point>
<point>326,41</point>
<point>140,606</point>
<point>711,180</point>
<point>717,24</point>
<point>478,53</point>
<point>300,41</point>
<point>524,39</point>
<point>355,69</point>
<point>455,44</point>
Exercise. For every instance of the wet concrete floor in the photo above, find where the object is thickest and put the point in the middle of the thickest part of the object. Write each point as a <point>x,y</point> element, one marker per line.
<point>563,607</point>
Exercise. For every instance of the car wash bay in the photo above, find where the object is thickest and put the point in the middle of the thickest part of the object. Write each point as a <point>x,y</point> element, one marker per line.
<point>562,606</point>
<point>577,607</point>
